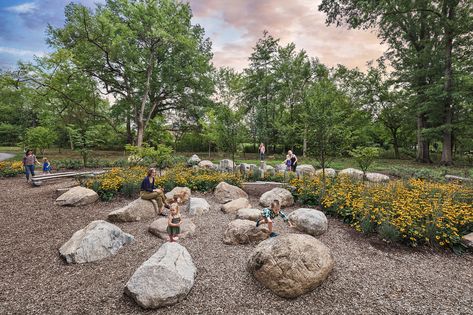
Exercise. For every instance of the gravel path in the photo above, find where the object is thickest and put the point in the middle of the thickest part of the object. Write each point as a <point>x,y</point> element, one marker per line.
<point>4,156</point>
<point>369,277</point>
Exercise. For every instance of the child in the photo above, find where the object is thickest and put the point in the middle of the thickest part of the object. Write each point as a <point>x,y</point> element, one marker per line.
<point>174,221</point>
<point>46,166</point>
<point>267,216</point>
<point>287,161</point>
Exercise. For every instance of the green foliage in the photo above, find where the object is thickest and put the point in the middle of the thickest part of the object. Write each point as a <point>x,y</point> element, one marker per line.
<point>39,138</point>
<point>365,156</point>
<point>388,232</point>
<point>160,155</point>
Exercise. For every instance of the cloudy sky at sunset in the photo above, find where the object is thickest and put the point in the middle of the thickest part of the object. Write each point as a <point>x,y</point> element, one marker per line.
<point>234,26</point>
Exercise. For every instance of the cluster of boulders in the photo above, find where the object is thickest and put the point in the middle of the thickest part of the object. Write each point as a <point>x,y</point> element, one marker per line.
<point>167,276</point>
<point>227,165</point>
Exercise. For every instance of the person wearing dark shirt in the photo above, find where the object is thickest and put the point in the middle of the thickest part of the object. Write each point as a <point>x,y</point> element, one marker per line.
<point>150,192</point>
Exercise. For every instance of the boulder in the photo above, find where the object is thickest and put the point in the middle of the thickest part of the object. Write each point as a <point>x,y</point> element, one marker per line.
<point>136,210</point>
<point>184,193</point>
<point>454,178</point>
<point>193,160</point>
<point>305,169</point>
<point>468,240</point>
<point>159,228</point>
<point>280,167</point>
<point>206,164</point>
<point>77,196</point>
<point>258,188</point>
<point>248,214</point>
<point>329,172</point>
<point>225,192</point>
<point>352,173</point>
<point>310,221</point>
<point>97,240</point>
<point>235,205</point>
<point>377,177</point>
<point>164,279</point>
<point>244,168</point>
<point>291,265</point>
<point>283,195</point>
<point>226,165</point>
<point>244,232</point>
<point>197,206</point>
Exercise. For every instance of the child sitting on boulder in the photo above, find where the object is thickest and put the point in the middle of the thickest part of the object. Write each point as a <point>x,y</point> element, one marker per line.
<point>268,214</point>
<point>174,221</point>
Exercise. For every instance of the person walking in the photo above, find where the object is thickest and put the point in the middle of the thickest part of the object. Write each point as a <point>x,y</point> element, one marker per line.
<point>29,160</point>
<point>262,151</point>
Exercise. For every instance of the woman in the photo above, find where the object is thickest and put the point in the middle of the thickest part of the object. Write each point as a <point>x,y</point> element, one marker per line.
<point>150,192</point>
<point>28,162</point>
<point>293,158</point>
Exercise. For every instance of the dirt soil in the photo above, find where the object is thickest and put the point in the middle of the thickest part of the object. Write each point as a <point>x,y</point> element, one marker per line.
<point>370,277</point>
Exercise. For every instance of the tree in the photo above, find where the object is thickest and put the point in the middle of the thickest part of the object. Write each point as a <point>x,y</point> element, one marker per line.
<point>325,117</point>
<point>145,53</point>
<point>423,37</point>
<point>39,138</point>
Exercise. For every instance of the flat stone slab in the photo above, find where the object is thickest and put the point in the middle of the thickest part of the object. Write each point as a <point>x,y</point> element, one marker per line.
<point>260,187</point>
<point>159,228</point>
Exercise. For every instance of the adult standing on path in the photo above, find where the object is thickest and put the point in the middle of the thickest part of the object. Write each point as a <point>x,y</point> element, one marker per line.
<point>293,158</point>
<point>29,161</point>
<point>262,151</point>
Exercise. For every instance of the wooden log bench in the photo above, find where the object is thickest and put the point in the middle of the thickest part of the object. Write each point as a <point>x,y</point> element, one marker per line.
<point>38,180</point>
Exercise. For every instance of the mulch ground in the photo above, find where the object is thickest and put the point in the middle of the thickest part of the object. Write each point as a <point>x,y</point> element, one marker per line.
<point>370,277</point>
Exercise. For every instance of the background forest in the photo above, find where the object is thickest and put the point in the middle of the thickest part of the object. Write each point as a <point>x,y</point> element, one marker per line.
<point>140,73</point>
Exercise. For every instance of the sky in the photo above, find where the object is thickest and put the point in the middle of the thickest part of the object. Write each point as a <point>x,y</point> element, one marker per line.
<point>233,26</point>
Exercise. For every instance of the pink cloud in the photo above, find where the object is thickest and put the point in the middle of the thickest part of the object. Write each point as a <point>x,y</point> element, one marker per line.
<point>297,21</point>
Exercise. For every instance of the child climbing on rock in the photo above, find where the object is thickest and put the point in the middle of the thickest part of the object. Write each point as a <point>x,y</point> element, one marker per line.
<point>268,214</point>
<point>174,221</point>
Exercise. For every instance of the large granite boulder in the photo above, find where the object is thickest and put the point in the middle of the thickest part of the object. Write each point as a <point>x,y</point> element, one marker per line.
<point>329,172</point>
<point>305,170</point>
<point>77,196</point>
<point>454,178</point>
<point>280,167</point>
<point>226,165</point>
<point>159,228</point>
<point>283,195</point>
<point>164,279</point>
<point>244,232</point>
<point>248,214</point>
<point>206,164</point>
<point>184,193</point>
<point>244,168</point>
<point>193,160</point>
<point>235,205</point>
<point>377,177</point>
<point>310,221</point>
<point>468,240</point>
<point>99,239</point>
<point>225,192</point>
<point>197,206</point>
<point>291,265</point>
<point>136,210</point>
<point>352,173</point>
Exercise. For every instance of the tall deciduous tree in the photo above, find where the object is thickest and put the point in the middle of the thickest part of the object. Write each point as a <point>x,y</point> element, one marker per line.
<point>145,52</point>
<point>423,37</point>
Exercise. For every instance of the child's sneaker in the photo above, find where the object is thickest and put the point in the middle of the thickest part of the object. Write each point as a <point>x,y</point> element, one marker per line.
<point>273,234</point>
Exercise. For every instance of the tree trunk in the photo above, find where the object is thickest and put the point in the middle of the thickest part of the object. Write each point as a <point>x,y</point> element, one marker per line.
<point>304,145</point>
<point>141,123</point>
<point>423,154</point>
<point>449,14</point>
<point>395,143</point>
<point>129,137</point>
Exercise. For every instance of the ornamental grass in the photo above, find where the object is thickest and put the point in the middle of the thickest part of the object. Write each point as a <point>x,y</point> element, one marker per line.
<point>414,212</point>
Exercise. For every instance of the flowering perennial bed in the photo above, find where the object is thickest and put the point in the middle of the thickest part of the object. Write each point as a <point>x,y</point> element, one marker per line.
<point>413,211</point>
